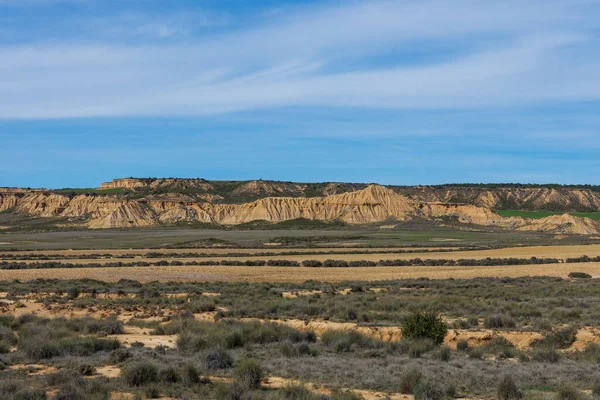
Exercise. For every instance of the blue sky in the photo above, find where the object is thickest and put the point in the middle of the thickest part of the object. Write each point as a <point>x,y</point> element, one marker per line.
<point>395,92</point>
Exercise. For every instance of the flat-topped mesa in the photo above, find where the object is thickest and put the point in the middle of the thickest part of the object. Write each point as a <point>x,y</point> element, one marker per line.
<point>157,183</point>
<point>124,183</point>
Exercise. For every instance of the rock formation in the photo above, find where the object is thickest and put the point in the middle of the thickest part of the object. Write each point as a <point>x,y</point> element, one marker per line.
<point>148,202</point>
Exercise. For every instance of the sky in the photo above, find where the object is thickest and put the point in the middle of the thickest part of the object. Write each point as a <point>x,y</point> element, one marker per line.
<point>389,91</point>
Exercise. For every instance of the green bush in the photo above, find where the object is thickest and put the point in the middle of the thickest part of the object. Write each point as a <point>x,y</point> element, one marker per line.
<point>191,375</point>
<point>547,355</point>
<point>507,389</point>
<point>567,393</point>
<point>424,325</point>
<point>140,373</point>
<point>596,388</point>
<point>418,347</point>
<point>444,354</point>
<point>476,353</point>
<point>426,389</point>
<point>558,339</point>
<point>169,375</point>
<point>462,345</point>
<point>409,380</point>
<point>249,373</point>
<point>218,359</point>
<point>579,275</point>
<point>499,321</point>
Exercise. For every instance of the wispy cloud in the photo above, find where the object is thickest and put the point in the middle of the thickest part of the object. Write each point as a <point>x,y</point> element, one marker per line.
<point>356,55</point>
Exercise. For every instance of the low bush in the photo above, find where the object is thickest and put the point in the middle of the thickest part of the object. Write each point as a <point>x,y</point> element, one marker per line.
<point>507,389</point>
<point>218,359</point>
<point>409,380</point>
<point>546,355</point>
<point>444,354</point>
<point>249,373</point>
<point>140,373</point>
<point>579,275</point>
<point>169,375</point>
<point>499,321</point>
<point>427,389</point>
<point>462,345</point>
<point>566,392</point>
<point>558,339</point>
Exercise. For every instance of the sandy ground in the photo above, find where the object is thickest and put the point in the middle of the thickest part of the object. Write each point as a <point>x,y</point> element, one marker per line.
<point>295,274</point>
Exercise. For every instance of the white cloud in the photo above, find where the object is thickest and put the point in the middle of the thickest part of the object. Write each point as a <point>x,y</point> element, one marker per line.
<point>501,53</point>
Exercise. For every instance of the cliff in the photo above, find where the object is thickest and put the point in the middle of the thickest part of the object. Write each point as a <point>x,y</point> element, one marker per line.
<point>372,204</point>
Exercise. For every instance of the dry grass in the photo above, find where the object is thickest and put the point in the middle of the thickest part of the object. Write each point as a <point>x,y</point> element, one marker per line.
<point>295,274</point>
<point>516,252</point>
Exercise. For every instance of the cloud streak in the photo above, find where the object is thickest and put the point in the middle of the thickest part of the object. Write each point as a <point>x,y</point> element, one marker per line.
<point>357,55</point>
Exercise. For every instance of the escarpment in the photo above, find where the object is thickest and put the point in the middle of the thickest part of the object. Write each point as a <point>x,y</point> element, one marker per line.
<point>521,198</point>
<point>372,204</point>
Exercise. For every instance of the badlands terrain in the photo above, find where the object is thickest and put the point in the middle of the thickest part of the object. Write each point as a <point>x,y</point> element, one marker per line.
<point>196,289</point>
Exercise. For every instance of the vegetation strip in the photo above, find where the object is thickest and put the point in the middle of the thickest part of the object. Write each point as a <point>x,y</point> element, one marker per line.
<point>308,263</point>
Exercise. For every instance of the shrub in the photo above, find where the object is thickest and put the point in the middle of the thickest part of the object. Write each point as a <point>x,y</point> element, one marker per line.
<point>558,339</point>
<point>499,321</point>
<point>249,373</point>
<point>547,355</point>
<point>153,392</point>
<point>30,394</point>
<point>312,263</point>
<point>296,392</point>
<point>218,359</point>
<point>190,343</point>
<point>120,355</point>
<point>169,375</point>
<point>591,352</point>
<point>424,325</point>
<point>409,380</point>
<point>567,393</point>
<point>476,352</point>
<point>86,369</point>
<point>462,345</point>
<point>73,293</point>
<point>346,341</point>
<point>416,348</point>
<point>426,389</point>
<point>36,350</point>
<point>140,373</point>
<point>596,388</point>
<point>191,375</point>
<point>444,354</point>
<point>579,275</point>
<point>507,389</point>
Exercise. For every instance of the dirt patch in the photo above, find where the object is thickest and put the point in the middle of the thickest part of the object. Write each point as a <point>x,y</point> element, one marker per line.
<point>134,334</point>
<point>109,371</point>
<point>584,337</point>
<point>521,340</point>
<point>298,293</point>
<point>34,369</point>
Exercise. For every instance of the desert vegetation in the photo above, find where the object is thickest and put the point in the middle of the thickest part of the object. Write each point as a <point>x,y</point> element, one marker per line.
<point>479,338</point>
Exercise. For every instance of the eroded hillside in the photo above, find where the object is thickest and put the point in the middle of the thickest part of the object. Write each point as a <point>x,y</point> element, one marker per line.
<point>190,201</point>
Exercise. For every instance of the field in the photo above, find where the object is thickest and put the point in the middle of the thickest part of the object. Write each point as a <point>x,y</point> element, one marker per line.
<point>543,214</point>
<point>135,315</point>
<point>156,238</point>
